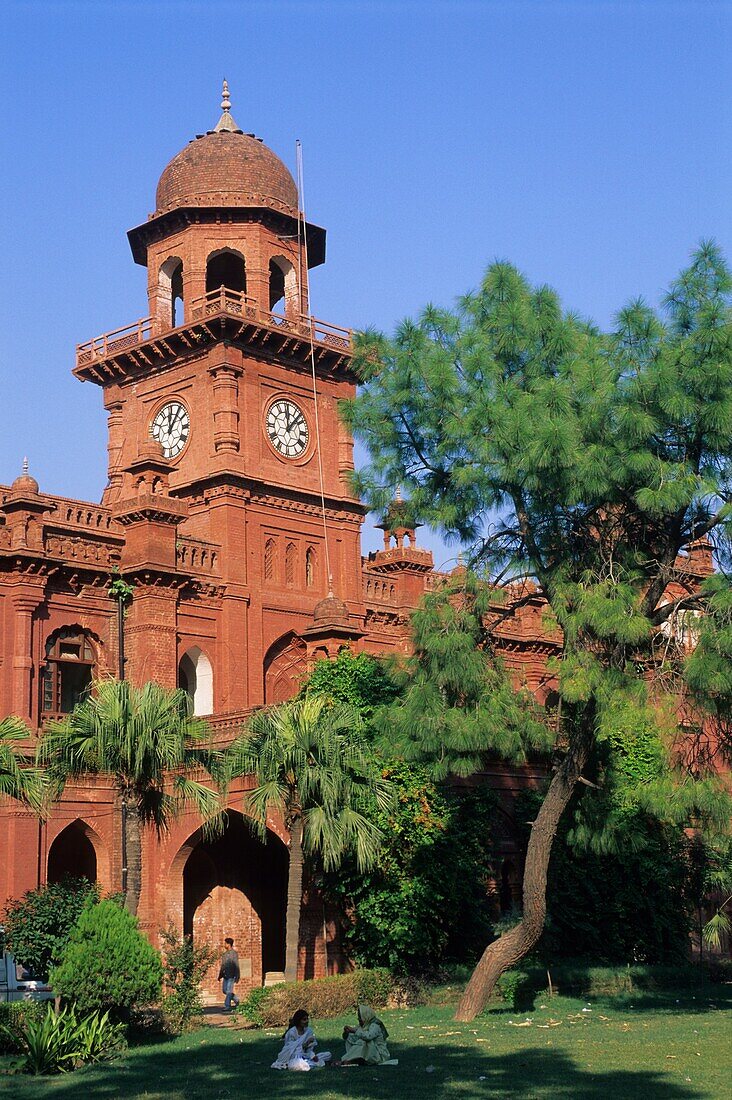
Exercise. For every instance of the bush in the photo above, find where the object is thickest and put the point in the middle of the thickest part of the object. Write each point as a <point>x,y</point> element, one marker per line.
<point>184,967</point>
<point>516,989</point>
<point>108,963</point>
<point>425,902</point>
<point>324,998</point>
<point>628,904</point>
<point>54,1043</point>
<point>38,925</point>
<point>13,1018</point>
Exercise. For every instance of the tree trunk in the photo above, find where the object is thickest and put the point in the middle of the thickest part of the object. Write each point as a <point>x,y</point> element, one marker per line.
<point>134,857</point>
<point>512,946</point>
<point>294,901</point>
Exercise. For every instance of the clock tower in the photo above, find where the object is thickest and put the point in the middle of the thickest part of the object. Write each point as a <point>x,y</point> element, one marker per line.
<point>227,459</point>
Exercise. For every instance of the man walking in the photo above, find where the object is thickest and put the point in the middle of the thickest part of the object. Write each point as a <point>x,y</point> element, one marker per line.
<point>229,974</point>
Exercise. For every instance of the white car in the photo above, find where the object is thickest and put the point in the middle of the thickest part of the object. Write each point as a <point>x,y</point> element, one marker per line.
<point>16,984</point>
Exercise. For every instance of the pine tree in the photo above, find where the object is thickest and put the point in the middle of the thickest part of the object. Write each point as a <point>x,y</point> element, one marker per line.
<point>583,464</point>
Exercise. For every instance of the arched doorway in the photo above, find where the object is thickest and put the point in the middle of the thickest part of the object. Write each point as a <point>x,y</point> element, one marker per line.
<point>72,855</point>
<point>236,885</point>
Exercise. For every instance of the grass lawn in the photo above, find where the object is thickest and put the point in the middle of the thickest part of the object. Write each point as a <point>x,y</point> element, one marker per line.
<point>649,1046</point>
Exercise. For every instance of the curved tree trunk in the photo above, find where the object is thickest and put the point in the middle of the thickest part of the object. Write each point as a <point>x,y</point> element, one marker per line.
<point>512,946</point>
<point>134,857</point>
<point>294,901</point>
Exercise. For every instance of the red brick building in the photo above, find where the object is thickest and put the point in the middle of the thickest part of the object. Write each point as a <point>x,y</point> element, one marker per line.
<point>222,407</point>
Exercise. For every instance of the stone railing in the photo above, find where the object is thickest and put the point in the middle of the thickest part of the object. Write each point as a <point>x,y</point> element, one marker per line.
<point>378,588</point>
<point>111,343</point>
<point>230,302</point>
<point>73,548</point>
<point>196,556</point>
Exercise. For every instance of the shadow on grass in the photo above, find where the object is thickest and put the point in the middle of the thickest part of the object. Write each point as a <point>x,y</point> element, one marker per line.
<point>208,1067</point>
<point>702,998</point>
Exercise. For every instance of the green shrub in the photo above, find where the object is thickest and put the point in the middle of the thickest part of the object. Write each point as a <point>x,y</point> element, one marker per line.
<point>56,1043</point>
<point>108,963</point>
<point>184,966</point>
<point>13,1019</point>
<point>516,989</point>
<point>425,902</point>
<point>324,998</point>
<point>251,1007</point>
<point>38,925</point>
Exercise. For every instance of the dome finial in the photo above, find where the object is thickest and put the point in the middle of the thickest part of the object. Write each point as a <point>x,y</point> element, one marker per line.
<point>25,465</point>
<point>226,122</point>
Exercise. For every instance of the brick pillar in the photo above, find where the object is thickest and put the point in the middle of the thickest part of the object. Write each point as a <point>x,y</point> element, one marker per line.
<point>114,450</point>
<point>225,370</point>
<point>151,637</point>
<point>24,606</point>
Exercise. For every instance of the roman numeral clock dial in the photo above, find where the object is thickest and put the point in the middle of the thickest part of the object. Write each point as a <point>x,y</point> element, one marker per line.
<point>287,429</point>
<point>171,427</point>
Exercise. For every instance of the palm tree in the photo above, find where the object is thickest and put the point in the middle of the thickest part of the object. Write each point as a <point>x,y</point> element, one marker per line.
<point>311,764</point>
<point>146,741</point>
<point>17,780</point>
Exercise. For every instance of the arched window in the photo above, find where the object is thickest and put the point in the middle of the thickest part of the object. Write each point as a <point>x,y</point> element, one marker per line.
<point>226,268</point>
<point>68,670</point>
<point>282,284</point>
<point>170,294</point>
<point>270,559</point>
<point>309,567</point>
<point>72,854</point>
<point>290,564</point>
<point>195,677</point>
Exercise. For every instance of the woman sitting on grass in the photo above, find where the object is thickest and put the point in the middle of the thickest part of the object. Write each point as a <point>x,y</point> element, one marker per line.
<point>298,1052</point>
<point>366,1044</point>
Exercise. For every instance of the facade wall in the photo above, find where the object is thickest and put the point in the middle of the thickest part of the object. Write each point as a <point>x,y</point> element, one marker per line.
<point>224,546</point>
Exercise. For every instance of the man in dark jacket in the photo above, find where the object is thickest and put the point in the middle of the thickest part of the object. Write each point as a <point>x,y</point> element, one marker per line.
<point>229,974</point>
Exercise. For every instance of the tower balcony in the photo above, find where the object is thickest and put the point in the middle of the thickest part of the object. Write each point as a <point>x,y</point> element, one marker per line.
<point>219,314</point>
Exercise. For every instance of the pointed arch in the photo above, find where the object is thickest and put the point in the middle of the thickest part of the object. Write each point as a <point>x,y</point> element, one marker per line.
<point>290,561</point>
<point>285,668</point>
<point>71,662</point>
<point>233,884</point>
<point>170,292</point>
<point>310,564</point>
<point>282,284</point>
<point>77,851</point>
<point>226,267</point>
<point>195,677</point>
<point>270,559</point>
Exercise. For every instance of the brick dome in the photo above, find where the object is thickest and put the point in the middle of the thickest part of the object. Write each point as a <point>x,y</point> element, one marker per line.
<point>226,167</point>
<point>330,612</point>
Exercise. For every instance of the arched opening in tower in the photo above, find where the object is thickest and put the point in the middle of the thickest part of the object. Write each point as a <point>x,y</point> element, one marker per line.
<point>170,292</point>
<point>236,885</point>
<point>282,285</point>
<point>72,855</point>
<point>226,269</point>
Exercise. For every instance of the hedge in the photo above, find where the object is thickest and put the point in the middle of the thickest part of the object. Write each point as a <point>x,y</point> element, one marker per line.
<point>324,998</point>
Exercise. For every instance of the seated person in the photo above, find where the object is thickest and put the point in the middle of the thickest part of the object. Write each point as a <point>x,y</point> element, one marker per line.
<point>298,1052</point>
<point>366,1044</point>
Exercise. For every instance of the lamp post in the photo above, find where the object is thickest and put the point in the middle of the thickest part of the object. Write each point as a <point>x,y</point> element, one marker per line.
<point>121,592</point>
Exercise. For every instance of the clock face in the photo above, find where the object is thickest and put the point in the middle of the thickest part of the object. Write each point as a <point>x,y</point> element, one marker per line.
<point>171,427</point>
<point>287,428</point>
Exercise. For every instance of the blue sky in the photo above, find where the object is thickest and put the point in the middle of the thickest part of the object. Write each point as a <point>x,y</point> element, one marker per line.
<point>587,141</point>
